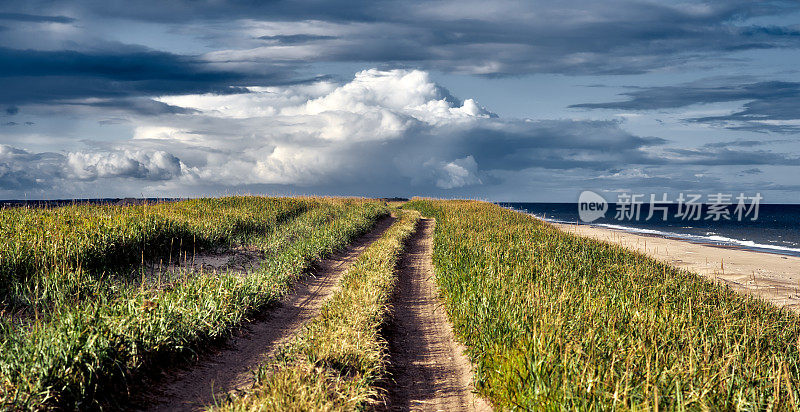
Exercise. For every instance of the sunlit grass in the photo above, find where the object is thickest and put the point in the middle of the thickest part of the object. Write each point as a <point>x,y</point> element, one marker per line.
<point>53,254</point>
<point>553,321</point>
<point>87,350</point>
<point>337,360</point>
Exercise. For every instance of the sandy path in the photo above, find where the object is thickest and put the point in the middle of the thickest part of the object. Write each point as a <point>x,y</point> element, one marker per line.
<point>216,374</point>
<point>428,369</point>
<point>772,277</point>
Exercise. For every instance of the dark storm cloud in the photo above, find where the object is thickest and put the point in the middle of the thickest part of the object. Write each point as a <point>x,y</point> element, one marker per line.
<point>767,103</point>
<point>32,76</point>
<point>553,144</point>
<point>140,106</point>
<point>35,18</point>
<point>621,37</point>
<point>191,10</point>
<point>58,89</point>
<point>693,93</point>
<point>130,65</point>
<point>728,157</point>
<point>765,113</point>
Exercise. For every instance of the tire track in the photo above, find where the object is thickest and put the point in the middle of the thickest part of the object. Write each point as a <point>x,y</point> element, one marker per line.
<point>428,368</point>
<point>214,375</point>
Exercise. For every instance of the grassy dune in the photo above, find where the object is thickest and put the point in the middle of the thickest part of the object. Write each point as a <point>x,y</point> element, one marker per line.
<point>51,255</point>
<point>336,361</point>
<point>85,347</point>
<point>558,322</point>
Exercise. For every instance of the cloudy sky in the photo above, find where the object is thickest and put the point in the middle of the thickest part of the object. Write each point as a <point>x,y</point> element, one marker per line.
<point>502,100</point>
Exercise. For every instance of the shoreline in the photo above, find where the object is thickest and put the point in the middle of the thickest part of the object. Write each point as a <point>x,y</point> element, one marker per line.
<point>773,277</point>
<point>714,239</point>
<point>753,249</point>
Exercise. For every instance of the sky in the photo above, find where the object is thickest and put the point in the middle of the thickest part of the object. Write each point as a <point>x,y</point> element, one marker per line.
<point>502,100</point>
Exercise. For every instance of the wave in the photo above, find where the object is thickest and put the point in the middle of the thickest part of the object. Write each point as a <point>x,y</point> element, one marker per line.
<point>751,244</point>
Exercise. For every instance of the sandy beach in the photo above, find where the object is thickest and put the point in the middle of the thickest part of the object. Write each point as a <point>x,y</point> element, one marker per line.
<point>773,277</point>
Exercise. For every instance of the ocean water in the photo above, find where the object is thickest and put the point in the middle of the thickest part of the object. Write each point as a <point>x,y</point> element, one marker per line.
<point>776,230</point>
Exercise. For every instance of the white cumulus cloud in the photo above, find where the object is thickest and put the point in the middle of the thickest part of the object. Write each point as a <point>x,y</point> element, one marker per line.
<point>383,132</point>
<point>316,133</point>
<point>458,173</point>
<point>158,165</point>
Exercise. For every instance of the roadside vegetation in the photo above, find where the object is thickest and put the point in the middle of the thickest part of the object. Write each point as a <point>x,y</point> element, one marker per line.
<point>553,321</point>
<point>100,331</point>
<point>337,360</point>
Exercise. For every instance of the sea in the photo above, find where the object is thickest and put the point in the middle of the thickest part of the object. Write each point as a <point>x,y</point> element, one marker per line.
<point>775,230</point>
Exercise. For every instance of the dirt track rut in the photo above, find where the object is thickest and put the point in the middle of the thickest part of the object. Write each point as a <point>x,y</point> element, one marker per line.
<point>428,370</point>
<point>215,374</point>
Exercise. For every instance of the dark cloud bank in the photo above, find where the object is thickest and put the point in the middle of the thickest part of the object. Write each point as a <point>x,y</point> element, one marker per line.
<point>766,104</point>
<point>622,37</point>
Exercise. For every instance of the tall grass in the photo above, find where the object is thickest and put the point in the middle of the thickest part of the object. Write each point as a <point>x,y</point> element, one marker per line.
<point>558,322</point>
<point>51,255</point>
<point>336,361</point>
<point>79,354</point>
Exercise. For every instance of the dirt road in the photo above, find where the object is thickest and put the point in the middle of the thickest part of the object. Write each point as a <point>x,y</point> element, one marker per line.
<point>215,374</point>
<point>428,369</point>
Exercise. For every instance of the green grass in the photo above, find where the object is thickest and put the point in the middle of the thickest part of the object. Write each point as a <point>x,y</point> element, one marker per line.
<point>86,351</point>
<point>52,255</point>
<point>553,321</point>
<point>338,358</point>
